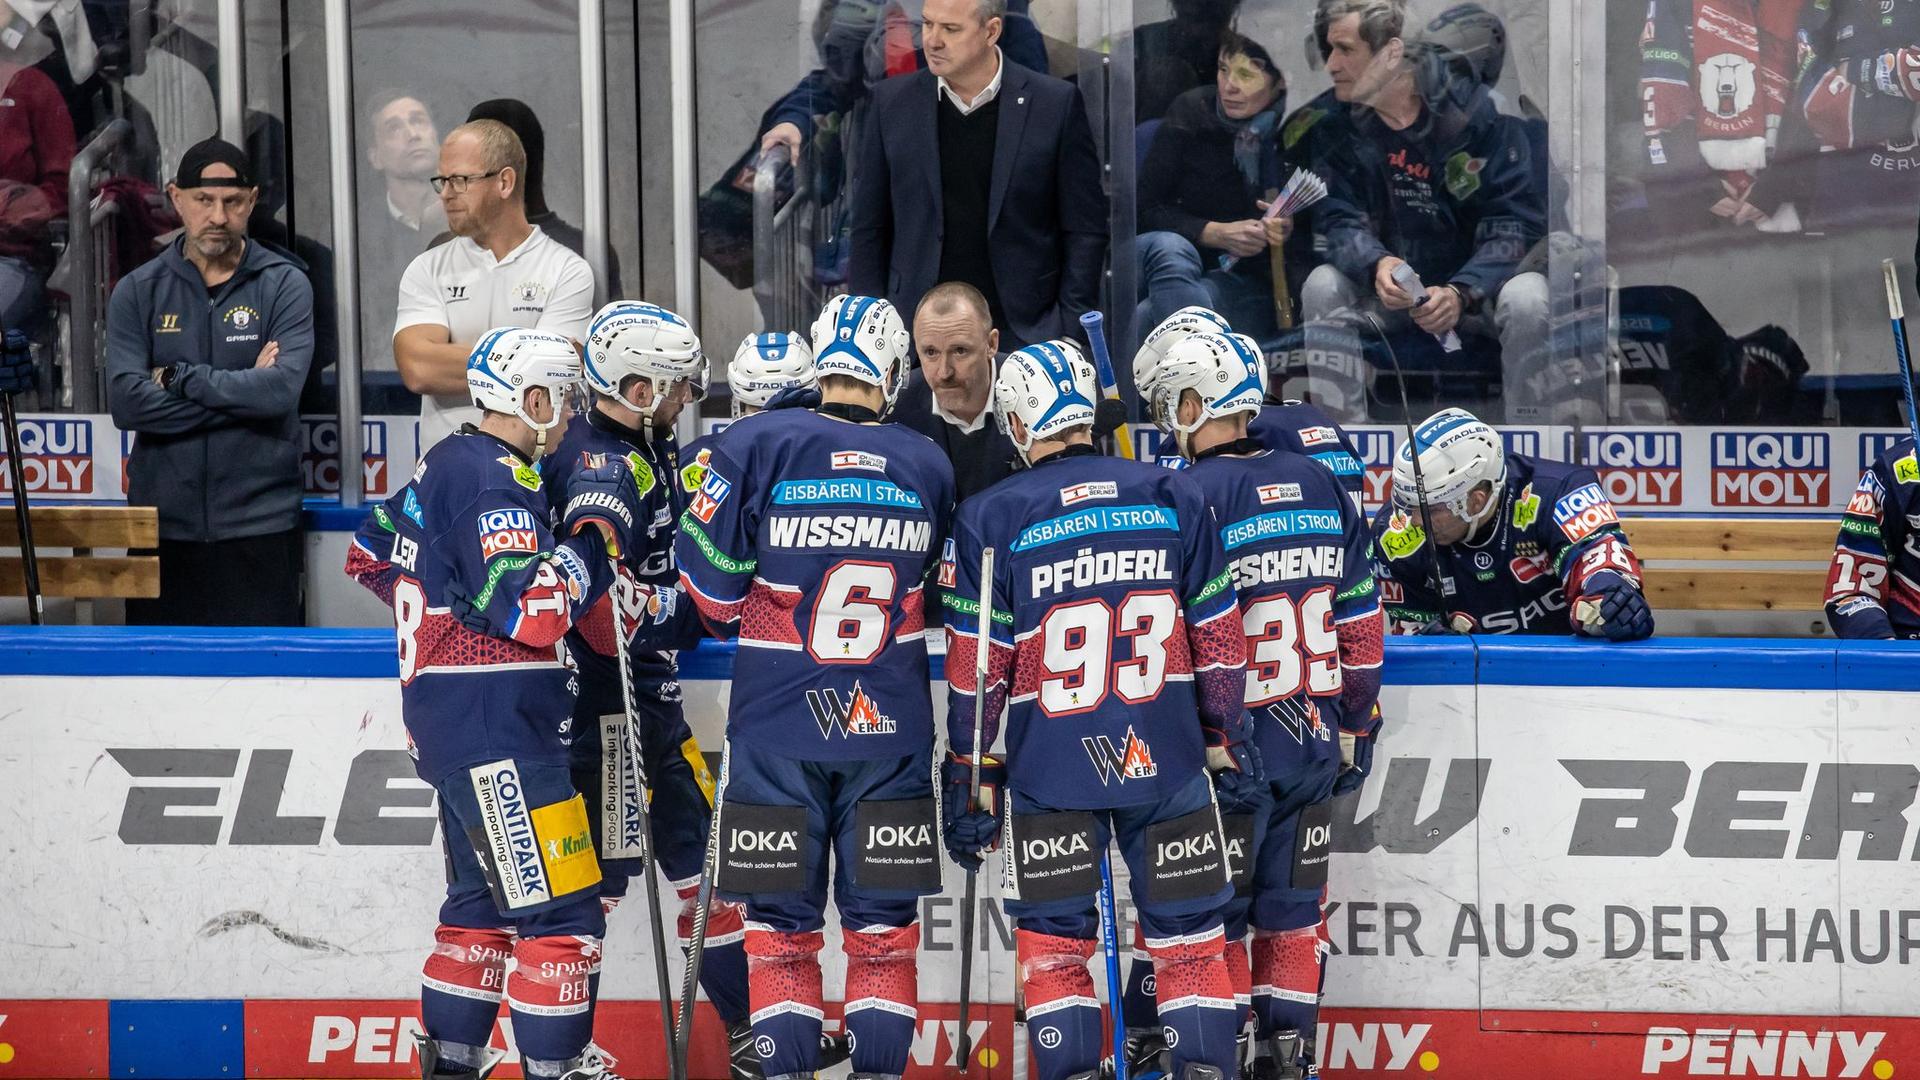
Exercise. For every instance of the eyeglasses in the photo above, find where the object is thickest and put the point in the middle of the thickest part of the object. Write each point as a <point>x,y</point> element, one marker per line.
<point>458,182</point>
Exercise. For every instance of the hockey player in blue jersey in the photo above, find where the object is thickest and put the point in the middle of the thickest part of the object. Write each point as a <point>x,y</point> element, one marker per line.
<point>763,366</point>
<point>1298,426</point>
<point>483,592</point>
<point>1299,552</point>
<point>812,535</point>
<point>1525,545</point>
<point>1117,654</point>
<point>1873,584</point>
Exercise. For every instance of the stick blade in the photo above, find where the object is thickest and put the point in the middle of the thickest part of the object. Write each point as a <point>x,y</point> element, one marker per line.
<point>1896,308</point>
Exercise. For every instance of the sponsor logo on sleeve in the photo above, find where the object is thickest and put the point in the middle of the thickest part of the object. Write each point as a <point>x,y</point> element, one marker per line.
<point>694,473</point>
<point>56,458</point>
<point>1277,493</point>
<point>1637,468</point>
<point>507,530</point>
<point>1767,469</point>
<point>1075,494</point>
<point>1866,498</point>
<point>524,474</point>
<point>1402,537</point>
<point>1318,436</point>
<point>706,502</point>
<point>1907,470</point>
<point>1582,512</point>
<point>410,506</point>
<point>859,459</point>
<point>1392,592</point>
<point>948,575</point>
<point>1526,508</point>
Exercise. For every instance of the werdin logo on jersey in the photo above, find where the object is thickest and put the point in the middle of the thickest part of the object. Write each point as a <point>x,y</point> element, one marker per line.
<point>510,529</point>
<point>1131,760</point>
<point>855,715</point>
<point>859,459</point>
<point>1088,568</point>
<point>840,531</point>
<point>508,825</point>
<point>1074,494</point>
<point>1637,468</point>
<point>1770,469</point>
<point>1278,493</point>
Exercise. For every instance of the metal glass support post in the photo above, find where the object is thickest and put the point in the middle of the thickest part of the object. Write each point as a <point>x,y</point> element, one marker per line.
<point>232,68</point>
<point>593,141</point>
<point>686,241</point>
<point>346,247</point>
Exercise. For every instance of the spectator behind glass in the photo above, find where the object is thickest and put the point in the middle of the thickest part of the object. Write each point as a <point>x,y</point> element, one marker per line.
<point>1011,154</point>
<point>533,139</point>
<point>947,397</point>
<point>500,270</point>
<point>1213,160</point>
<point>36,148</point>
<point>1176,55</point>
<point>403,149</point>
<point>207,348</point>
<point>1437,180</point>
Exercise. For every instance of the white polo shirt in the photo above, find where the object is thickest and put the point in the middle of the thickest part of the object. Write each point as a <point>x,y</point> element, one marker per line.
<point>461,286</point>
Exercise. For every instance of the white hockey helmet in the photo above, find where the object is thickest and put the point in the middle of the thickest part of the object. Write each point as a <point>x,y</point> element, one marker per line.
<point>1049,386</point>
<point>511,360</point>
<point>630,338</point>
<point>862,338</point>
<point>766,364</point>
<point>1222,370</point>
<point>1458,452</point>
<point>1172,330</point>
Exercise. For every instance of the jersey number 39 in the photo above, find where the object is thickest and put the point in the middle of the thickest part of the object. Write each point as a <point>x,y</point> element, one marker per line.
<point>1291,646</point>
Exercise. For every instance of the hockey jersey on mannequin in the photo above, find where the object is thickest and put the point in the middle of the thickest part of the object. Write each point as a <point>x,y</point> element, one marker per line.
<point>1553,528</point>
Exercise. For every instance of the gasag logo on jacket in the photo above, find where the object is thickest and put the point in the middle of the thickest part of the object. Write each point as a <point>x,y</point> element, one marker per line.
<point>1637,468</point>
<point>1768,469</point>
<point>56,457</point>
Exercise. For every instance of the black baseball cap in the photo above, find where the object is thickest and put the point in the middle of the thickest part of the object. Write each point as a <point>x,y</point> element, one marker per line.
<point>213,152</point>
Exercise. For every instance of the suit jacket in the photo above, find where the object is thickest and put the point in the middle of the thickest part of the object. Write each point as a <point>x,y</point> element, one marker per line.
<point>980,459</point>
<point>1047,208</point>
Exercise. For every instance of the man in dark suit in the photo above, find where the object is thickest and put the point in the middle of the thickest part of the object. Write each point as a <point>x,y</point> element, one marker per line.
<point>981,171</point>
<point>948,398</point>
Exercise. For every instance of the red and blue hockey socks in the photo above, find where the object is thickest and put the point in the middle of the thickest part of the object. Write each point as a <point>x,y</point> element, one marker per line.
<point>882,992</point>
<point>460,990</point>
<point>1195,998</point>
<point>783,985</point>
<point>1063,1016</point>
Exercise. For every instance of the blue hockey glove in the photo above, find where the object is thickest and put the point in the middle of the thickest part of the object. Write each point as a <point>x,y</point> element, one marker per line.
<point>604,495</point>
<point>1356,755</point>
<point>795,397</point>
<point>460,606</point>
<point>970,830</point>
<point>1612,607</point>
<point>16,364</point>
<point>1238,774</point>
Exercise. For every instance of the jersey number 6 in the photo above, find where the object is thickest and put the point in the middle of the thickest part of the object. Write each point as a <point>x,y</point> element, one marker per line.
<point>852,613</point>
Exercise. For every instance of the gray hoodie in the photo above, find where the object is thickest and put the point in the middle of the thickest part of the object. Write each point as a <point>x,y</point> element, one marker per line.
<point>219,451</point>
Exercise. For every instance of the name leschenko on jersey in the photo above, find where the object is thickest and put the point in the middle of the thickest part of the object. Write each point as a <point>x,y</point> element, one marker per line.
<point>1086,568</point>
<point>849,530</point>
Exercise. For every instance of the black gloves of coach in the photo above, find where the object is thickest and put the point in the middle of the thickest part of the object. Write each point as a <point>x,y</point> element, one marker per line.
<point>969,830</point>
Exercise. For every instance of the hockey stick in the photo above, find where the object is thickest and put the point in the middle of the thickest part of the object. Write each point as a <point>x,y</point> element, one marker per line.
<point>1095,325</point>
<point>29,559</point>
<point>983,642</point>
<point>1897,311</point>
<point>1413,451</point>
<point>630,743</point>
<point>696,948</point>
<point>1110,945</point>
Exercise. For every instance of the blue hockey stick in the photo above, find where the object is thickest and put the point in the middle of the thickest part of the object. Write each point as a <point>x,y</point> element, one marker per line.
<point>1897,312</point>
<point>1110,944</point>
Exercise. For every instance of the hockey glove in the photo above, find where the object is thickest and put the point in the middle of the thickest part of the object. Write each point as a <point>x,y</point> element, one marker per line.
<point>970,830</point>
<point>16,364</point>
<point>1356,755</point>
<point>795,397</point>
<point>460,605</point>
<point>1612,607</point>
<point>603,495</point>
<point>1238,774</point>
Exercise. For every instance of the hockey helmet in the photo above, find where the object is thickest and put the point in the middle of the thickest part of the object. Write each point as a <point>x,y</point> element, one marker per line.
<point>862,338</point>
<point>629,338</point>
<point>766,364</point>
<point>1458,453</point>
<point>1172,330</point>
<point>511,360</point>
<point>1222,370</point>
<point>1049,386</point>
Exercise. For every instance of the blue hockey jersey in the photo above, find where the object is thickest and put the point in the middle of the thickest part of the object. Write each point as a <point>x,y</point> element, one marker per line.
<point>1299,551</point>
<point>1553,528</point>
<point>1115,644</point>
<point>1306,429</point>
<point>475,518</point>
<point>649,561</point>
<point>1873,584</point>
<point>814,537</point>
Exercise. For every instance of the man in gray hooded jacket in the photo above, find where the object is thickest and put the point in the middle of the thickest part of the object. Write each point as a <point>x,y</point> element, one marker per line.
<point>207,348</point>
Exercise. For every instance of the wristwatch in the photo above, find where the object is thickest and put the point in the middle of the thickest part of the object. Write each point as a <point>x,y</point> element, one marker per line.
<point>163,377</point>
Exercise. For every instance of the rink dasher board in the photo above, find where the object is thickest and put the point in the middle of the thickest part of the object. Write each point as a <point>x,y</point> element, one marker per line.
<point>294,857</point>
<point>1645,471</point>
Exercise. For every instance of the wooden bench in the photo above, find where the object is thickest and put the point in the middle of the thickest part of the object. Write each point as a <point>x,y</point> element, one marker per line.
<point>1795,554</point>
<point>80,531</point>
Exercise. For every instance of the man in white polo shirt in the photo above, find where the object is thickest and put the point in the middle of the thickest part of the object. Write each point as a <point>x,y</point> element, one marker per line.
<point>497,271</point>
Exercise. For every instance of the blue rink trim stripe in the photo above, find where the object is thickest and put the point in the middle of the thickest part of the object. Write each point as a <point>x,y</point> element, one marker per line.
<point>1713,663</point>
<point>186,1039</point>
